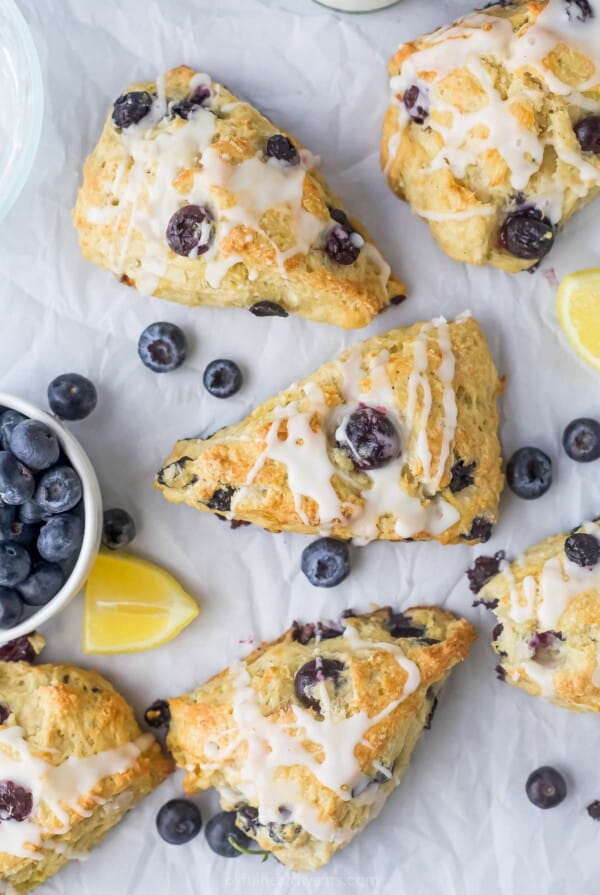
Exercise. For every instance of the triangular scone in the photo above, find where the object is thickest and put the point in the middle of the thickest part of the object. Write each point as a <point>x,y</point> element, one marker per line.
<point>419,404</point>
<point>307,737</point>
<point>202,200</point>
<point>548,608</point>
<point>72,747</point>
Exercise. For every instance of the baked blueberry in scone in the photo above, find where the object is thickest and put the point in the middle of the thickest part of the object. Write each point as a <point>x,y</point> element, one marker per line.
<point>395,439</point>
<point>493,132</point>
<point>192,195</point>
<point>548,607</point>
<point>307,737</point>
<point>73,761</point>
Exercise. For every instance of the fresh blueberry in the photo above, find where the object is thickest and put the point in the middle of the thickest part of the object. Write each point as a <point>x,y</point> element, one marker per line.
<point>131,107</point>
<point>16,802</point>
<point>72,397</point>
<point>162,347</point>
<point>529,473</point>
<point>9,419</point>
<point>11,608</point>
<point>178,821</point>
<point>8,513</point>
<point>587,132</point>
<point>34,445</point>
<point>315,672</point>
<point>59,490</point>
<point>268,309</point>
<point>581,440</point>
<point>583,549</point>
<point>43,583</point>
<point>15,564</point>
<point>60,538</point>
<point>546,787</point>
<point>371,438</point>
<point>31,513</point>
<point>222,378</point>
<point>221,831</point>
<point>416,104</point>
<point>118,529</point>
<point>158,714</point>
<point>326,562</point>
<point>190,231</point>
<point>343,244</point>
<point>19,533</point>
<point>16,481</point>
<point>527,234</point>
<point>281,148</point>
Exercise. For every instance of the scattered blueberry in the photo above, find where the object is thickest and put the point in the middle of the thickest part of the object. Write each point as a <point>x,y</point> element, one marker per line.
<point>221,831</point>
<point>162,347</point>
<point>11,607</point>
<point>190,231</point>
<point>583,549</point>
<point>158,714</point>
<point>484,568</point>
<point>18,650</point>
<point>60,538</point>
<point>16,481</point>
<point>343,244</point>
<point>14,564</point>
<point>415,104</point>
<point>587,132</point>
<point>34,444</point>
<point>131,107</point>
<point>118,529</point>
<point>281,148</point>
<point>59,490</point>
<point>527,234</point>
<point>593,809</point>
<point>222,378</point>
<point>178,821</point>
<point>326,562</point>
<point>19,533</point>
<point>16,802</point>
<point>31,513</point>
<point>268,309</point>
<point>581,440</point>
<point>42,584</point>
<point>461,475</point>
<point>529,473</point>
<point>9,419</point>
<point>545,787</point>
<point>72,396</point>
<point>313,673</point>
<point>371,438</point>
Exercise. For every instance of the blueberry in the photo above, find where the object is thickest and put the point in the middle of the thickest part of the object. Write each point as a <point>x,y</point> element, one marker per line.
<point>268,309</point>
<point>221,831</point>
<point>343,244</point>
<point>304,633</point>
<point>60,538</point>
<point>583,549</point>
<point>72,397</point>
<point>190,231</point>
<point>162,347</point>
<point>14,564</point>
<point>19,533</point>
<point>545,787</point>
<point>593,809</point>
<point>178,821</point>
<point>221,499</point>
<point>222,378</point>
<point>587,132</point>
<point>9,419</point>
<point>529,473</point>
<point>281,148</point>
<point>4,713</point>
<point>311,675</point>
<point>461,476</point>
<point>527,234</point>
<point>31,513</point>
<point>481,530</point>
<point>131,107</point>
<point>371,438</point>
<point>34,444</point>
<point>158,714</point>
<point>16,802</point>
<point>185,107</point>
<point>11,608</point>
<point>58,490</point>
<point>326,562</point>
<point>579,10</point>
<point>16,481</point>
<point>415,104</point>
<point>400,625</point>
<point>8,513</point>
<point>18,650</point>
<point>118,529</point>
<point>581,440</point>
<point>484,569</point>
<point>43,583</point>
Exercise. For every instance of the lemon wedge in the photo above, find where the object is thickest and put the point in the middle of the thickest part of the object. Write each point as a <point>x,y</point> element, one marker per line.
<point>132,605</point>
<point>578,305</point>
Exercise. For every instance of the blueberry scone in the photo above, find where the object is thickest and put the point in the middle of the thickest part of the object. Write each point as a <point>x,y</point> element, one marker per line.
<point>548,608</point>
<point>395,439</point>
<point>493,132</point>
<point>193,195</point>
<point>307,737</point>
<point>73,761</point>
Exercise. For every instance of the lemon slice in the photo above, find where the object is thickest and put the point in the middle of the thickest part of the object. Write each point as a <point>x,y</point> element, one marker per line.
<point>578,305</point>
<point>132,605</point>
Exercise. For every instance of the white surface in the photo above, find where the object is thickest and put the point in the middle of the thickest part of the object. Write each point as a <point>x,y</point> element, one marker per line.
<point>460,823</point>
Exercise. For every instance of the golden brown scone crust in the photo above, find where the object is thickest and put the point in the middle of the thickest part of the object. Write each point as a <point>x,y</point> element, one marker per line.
<point>255,259</point>
<point>545,100</point>
<point>65,712</point>
<point>232,463</point>
<point>548,638</point>
<point>209,743</point>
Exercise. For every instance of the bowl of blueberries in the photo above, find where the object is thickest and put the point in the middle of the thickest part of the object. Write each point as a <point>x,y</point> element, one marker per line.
<point>50,506</point>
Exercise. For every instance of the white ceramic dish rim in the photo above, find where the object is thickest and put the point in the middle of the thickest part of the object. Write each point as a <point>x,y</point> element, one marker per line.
<point>92,503</point>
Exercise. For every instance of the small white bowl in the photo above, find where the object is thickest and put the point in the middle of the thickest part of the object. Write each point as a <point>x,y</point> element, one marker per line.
<point>92,533</point>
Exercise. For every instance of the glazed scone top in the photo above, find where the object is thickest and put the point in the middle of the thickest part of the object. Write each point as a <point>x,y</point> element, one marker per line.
<point>483,121</point>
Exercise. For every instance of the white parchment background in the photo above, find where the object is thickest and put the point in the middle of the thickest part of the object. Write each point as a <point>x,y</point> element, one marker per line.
<point>460,823</point>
